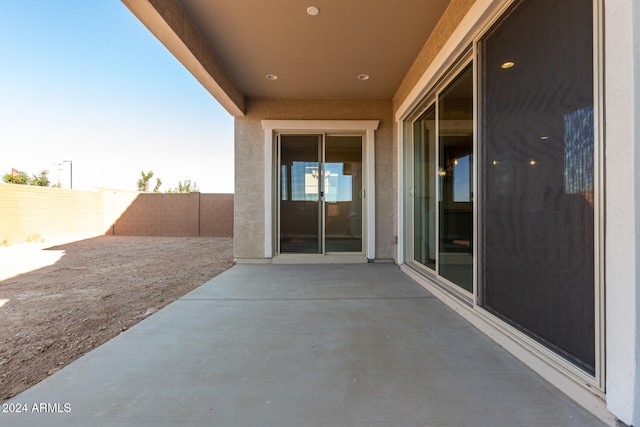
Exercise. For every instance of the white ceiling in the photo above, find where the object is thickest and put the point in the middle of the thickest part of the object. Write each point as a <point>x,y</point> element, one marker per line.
<point>316,56</point>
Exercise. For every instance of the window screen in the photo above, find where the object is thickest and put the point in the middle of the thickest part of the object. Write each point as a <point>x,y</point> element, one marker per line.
<point>537,136</point>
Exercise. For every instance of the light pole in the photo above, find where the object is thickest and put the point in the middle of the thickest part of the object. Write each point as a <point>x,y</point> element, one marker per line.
<point>59,165</point>
<point>70,172</point>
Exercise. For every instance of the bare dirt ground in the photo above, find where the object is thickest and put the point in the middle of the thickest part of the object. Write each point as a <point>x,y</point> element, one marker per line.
<point>57,303</point>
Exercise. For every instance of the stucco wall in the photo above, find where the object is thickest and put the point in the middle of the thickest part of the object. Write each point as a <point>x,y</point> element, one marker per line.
<point>250,185</point>
<point>622,139</point>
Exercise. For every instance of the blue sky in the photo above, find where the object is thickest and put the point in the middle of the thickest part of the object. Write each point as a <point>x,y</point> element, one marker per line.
<point>86,81</point>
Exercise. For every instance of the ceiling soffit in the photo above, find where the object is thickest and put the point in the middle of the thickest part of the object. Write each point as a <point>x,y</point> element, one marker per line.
<point>315,56</point>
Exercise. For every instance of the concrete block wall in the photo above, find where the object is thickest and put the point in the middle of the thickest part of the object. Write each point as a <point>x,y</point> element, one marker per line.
<point>29,213</point>
<point>194,214</point>
<point>216,215</point>
<point>116,202</point>
<point>157,214</point>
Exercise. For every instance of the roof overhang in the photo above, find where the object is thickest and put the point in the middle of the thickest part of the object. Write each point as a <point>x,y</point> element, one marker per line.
<point>231,46</point>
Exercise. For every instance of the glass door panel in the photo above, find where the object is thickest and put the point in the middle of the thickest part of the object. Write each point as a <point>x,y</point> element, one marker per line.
<point>424,192</point>
<point>455,125</point>
<point>539,171</point>
<point>300,194</point>
<point>342,188</point>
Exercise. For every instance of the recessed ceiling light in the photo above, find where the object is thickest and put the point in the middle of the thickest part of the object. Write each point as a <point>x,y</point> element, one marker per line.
<point>544,138</point>
<point>272,77</point>
<point>507,65</point>
<point>363,76</point>
<point>313,11</point>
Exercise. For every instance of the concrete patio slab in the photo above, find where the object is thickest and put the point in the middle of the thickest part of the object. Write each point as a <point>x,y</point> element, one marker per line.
<point>299,345</point>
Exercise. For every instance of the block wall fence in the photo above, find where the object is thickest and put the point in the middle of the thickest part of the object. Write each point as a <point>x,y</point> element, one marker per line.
<point>46,214</point>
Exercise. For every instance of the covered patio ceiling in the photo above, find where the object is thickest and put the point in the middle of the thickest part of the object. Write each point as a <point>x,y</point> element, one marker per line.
<point>236,47</point>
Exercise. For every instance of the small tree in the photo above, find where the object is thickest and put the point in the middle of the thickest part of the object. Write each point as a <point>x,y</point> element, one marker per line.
<point>156,189</point>
<point>143,183</point>
<point>41,180</point>
<point>187,187</point>
<point>19,178</point>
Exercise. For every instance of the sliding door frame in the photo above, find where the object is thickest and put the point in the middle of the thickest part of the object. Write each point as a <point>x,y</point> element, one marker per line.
<point>364,128</point>
<point>573,381</point>
<point>432,99</point>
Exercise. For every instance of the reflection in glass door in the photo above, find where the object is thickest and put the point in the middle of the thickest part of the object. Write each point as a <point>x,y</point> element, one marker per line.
<point>300,194</point>
<point>455,123</point>
<point>424,192</point>
<point>540,178</point>
<point>343,193</point>
<point>442,183</point>
<point>320,194</point>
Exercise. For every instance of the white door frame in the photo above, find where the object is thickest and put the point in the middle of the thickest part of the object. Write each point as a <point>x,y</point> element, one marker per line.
<point>368,127</point>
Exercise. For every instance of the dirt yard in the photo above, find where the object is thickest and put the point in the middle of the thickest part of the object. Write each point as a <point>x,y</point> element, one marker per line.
<point>57,303</point>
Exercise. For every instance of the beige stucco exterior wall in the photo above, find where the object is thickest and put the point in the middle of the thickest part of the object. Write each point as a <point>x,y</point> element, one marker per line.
<point>249,179</point>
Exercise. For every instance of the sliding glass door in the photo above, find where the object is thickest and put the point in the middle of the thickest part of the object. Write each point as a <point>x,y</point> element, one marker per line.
<point>442,182</point>
<point>320,194</point>
<point>300,194</point>
<point>455,155</point>
<point>343,193</point>
<point>424,189</point>
<point>525,248</point>
<point>538,170</point>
